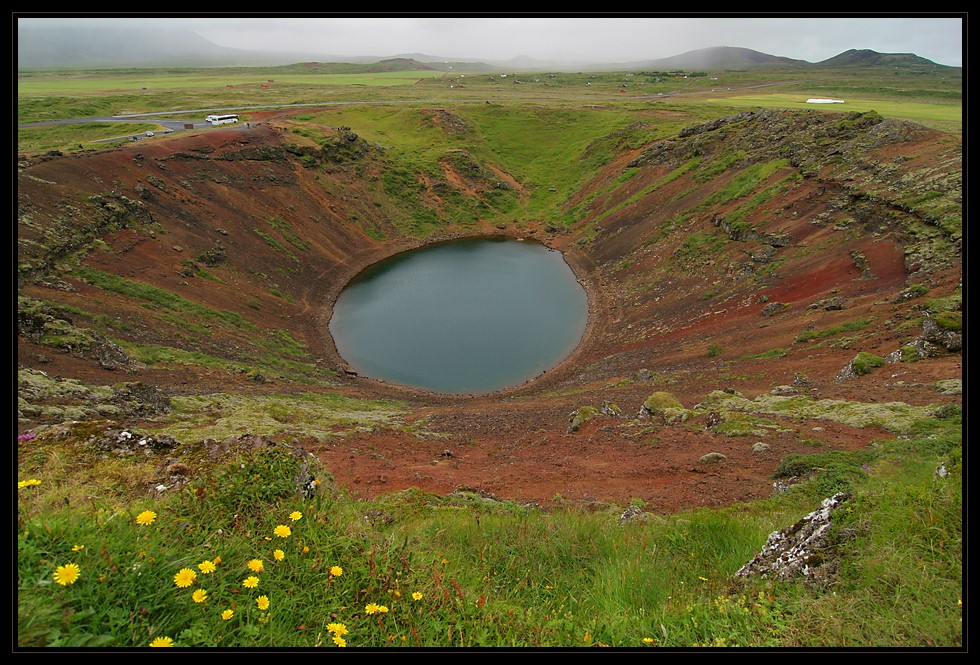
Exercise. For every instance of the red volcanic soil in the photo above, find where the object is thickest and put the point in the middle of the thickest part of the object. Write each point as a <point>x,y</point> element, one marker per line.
<point>652,319</point>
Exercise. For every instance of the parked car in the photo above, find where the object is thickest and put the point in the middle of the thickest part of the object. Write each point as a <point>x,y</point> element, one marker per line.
<point>149,133</point>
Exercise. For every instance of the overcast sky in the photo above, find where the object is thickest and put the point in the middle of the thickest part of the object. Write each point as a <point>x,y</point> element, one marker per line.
<point>591,39</point>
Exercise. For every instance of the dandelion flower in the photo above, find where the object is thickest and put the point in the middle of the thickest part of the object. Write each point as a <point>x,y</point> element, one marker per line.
<point>282,531</point>
<point>162,642</point>
<point>371,608</point>
<point>146,518</point>
<point>306,550</point>
<point>77,548</point>
<point>417,595</point>
<point>336,571</point>
<point>648,640</point>
<point>28,483</point>
<point>339,641</point>
<point>279,555</point>
<point>227,614</point>
<point>250,582</point>
<point>255,565</point>
<point>295,516</point>
<point>206,567</point>
<point>67,574</point>
<point>262,602</point>
<point>383,609</point>
<point>199,595</point>
<point>185,577</point>
<point>337,629</point>
<point>216,560</point>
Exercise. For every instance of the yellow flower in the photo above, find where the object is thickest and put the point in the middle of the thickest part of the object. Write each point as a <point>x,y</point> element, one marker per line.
<point>146,518</point>
<point>282,531</point>
<point>67,574</point>
<point>206,567</point>
<point>262,602</point>
<point>162,642</point>
<point>295,516</point>
<point>227,614</point>
<point>28,483</point>
<point>306,550</point>
<point>199,595</point>
<point>371,608</point>
<point>445,561</point>
<point>383,609</point>
<point>339,641</point>
<point>76,548</point>
<point>417,596</point>
<point>279,555</point>
<point>337,629</point>
<point>185,577</point>
<point>255,565</point>
<point>648,640</point>
<point>216,560</point>
<point>336,571</point>
<point>250,582</point>
<point>703,579</point>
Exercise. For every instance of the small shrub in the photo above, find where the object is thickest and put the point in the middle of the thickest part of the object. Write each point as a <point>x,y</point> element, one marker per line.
<point>714,350</point>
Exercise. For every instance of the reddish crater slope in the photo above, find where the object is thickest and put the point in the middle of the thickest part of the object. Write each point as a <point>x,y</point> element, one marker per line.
<point>754,255</point>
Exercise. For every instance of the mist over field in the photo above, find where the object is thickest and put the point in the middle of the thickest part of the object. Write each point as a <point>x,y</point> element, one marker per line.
<point>523,43</point>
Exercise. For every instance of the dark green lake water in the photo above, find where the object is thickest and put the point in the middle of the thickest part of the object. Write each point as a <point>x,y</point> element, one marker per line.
<point>467,316</point>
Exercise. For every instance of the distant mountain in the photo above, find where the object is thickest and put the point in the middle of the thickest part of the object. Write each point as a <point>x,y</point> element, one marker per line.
<point>869,58</point>
<point>718,57</point>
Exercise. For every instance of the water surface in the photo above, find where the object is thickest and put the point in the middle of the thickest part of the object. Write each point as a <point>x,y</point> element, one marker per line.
<point>467,316</point>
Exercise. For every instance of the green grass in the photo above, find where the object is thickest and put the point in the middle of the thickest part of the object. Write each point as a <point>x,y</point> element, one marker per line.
<point>158,297</point>
<point>942,114</point>
<point>850,326</point>
<point>81,136</point>
<point>418,570</point>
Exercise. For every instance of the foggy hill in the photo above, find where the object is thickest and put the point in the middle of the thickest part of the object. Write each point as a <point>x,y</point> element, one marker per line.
<point>869,58</point>
<point>719,57</point>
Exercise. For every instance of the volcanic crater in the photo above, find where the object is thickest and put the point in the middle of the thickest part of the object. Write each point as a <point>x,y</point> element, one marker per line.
<point>750,258</point>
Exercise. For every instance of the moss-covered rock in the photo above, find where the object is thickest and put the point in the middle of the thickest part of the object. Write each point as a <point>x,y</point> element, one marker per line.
<point>580,416</point>
<point>657,403</point>
<point>863,363</point>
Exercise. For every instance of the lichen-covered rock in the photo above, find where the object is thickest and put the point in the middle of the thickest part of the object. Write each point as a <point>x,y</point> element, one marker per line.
<point>773,308</point>
<point>611,409</point>
<point>675,416</point>
<point>944,330</point>
<point>829,304</point>
<point>949,386</point>
<point>712,458</point>
<point>803,550</point>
